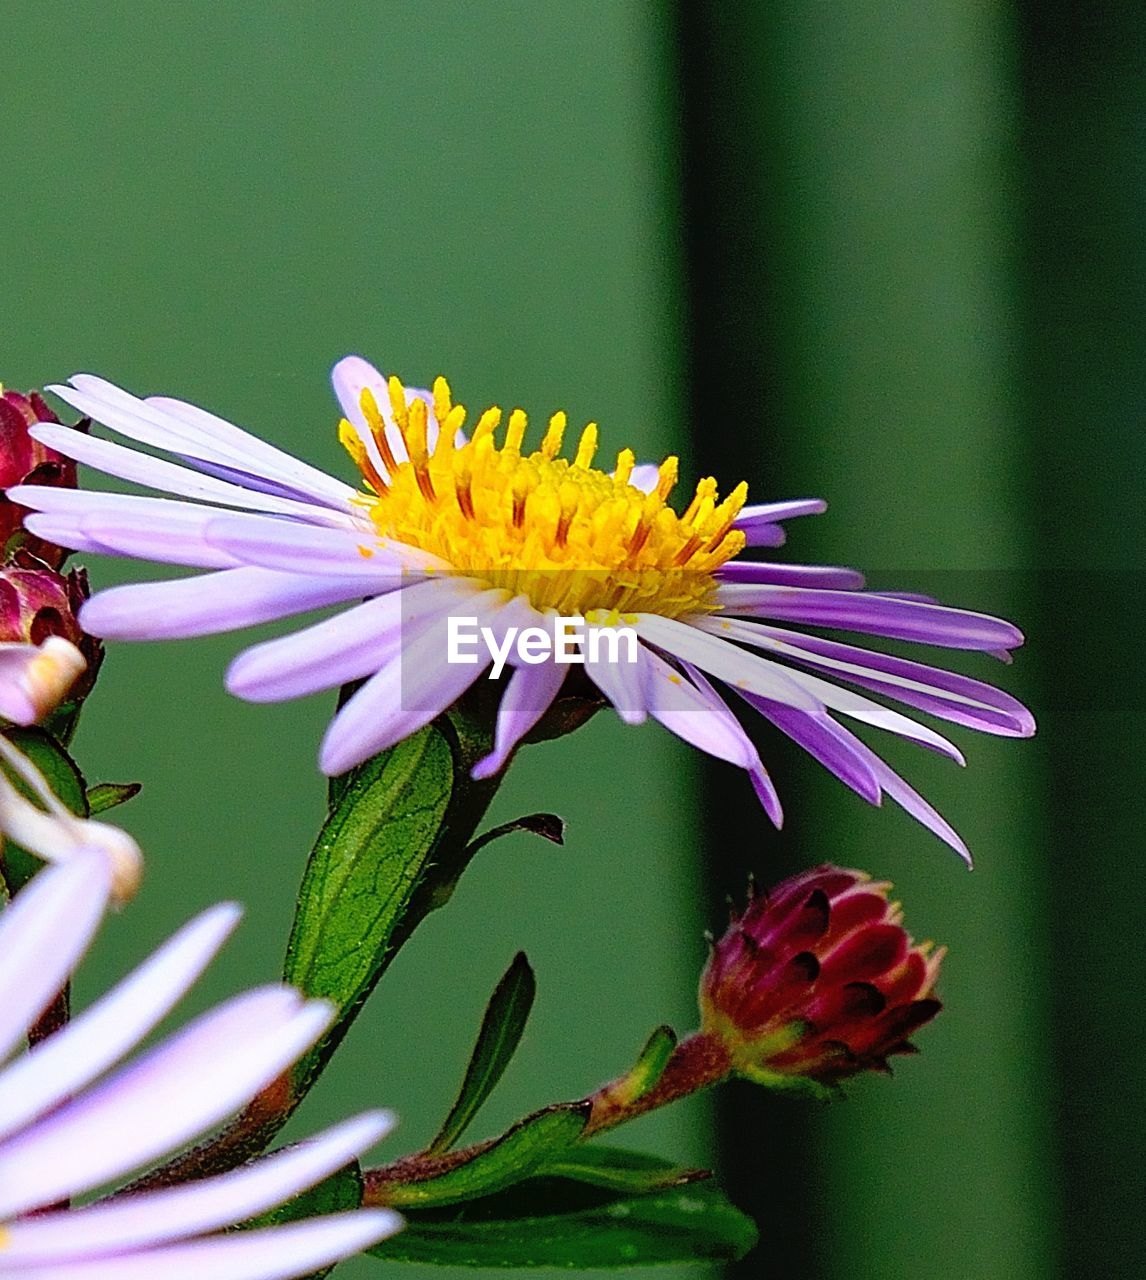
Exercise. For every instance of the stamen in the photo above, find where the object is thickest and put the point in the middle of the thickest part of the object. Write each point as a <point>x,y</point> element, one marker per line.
<point>442,400</point>
<point>486,425</point>
<point>649,509</point>
<point>377,425</point>
<point>569,494</point>
<point>415,437</point>
<point>587,447</point>
<point>353,443</point>
<point>553,527</point>
<point>666,477</point>
<point>515,431</point>
<point>463,481</point>
<point>705,489</point>
<point>551,445</point>
<point>727,512</point>
<point>524,482</point>
<point>448,428</point>
<point>397,402</point>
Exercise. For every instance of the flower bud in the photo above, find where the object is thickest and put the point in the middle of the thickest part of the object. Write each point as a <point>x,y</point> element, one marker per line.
<point>26,461</point>
<point>817,981</point>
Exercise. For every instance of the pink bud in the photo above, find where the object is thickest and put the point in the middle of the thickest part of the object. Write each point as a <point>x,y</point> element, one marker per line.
<point>817,981</point>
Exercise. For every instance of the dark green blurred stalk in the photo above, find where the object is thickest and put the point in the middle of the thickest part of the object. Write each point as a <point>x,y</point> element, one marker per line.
<point>852,257</point>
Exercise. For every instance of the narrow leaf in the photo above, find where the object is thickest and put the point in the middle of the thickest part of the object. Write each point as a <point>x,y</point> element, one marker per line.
<point>497,1041</point>
<point>547,1222</point>
<point>494,1165</point>
<point>650,1066</point>
<point>107,795</point>
<point>365,866</point>
<point>618,1170</point>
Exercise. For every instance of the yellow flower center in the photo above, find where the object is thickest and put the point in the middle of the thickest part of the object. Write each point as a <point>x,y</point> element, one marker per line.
<point>568,536</point>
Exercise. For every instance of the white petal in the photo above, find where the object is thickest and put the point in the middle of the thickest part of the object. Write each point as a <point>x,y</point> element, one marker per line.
<point>43,933</point>
<point>685,711</point>
<point>174,1213</point>
<point>411,689</point>
<point>156,473</point>
<point>210,603</point>
<point>274,461</point>
<point>352,644</point>
<point>107,1031</point>
<point>307,548</point>
<point>724,660</point>
<point>272,1253</point>
<point>174,1093</point>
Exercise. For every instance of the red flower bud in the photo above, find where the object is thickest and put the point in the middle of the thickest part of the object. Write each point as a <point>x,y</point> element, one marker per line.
<point>817,981</point>
<point>26,461</point>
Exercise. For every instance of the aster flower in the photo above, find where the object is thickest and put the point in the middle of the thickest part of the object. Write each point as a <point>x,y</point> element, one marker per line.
<point>817,981</point>
<point>72,1119</point>
<point>446,525</point>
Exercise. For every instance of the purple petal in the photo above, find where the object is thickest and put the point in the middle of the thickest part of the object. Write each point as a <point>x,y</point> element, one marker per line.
<point>174,1093</point>
<point>528,695</point>
<point>791,575</point>
<point>156,473</point>
<point>877,614</point>
<point>271,1253</point>
<point>355,643</point>
<point>296,547</point>
<point>724,660</point>
<point>760,522</point>
<point>414,687</point>
<point>816,734</point>
<point>210,603</point>
<point>175,1213</point>
<point>43,933</point>
<point>621,683</point>
<point>306,481</point>
<point>105,1032</point>
<point>761,782</point>
<point>942,693</point>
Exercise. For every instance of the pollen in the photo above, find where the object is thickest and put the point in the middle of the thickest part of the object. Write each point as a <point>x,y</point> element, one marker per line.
<point>568,535</point>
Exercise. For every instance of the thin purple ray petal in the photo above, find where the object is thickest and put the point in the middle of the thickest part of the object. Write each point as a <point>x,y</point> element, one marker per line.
<point>791,575</point>
<point>528,696</point>
<point>211,603</point>
<point>43,933</point>
<point>210,1204</point>
<point>877,614</point>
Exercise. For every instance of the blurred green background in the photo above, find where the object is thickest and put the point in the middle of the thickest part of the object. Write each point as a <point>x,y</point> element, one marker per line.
<point>882,252</point>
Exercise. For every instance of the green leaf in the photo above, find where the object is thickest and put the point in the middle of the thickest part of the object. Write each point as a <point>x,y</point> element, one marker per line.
<point>64,777</point>
<point>336,1194</point>
<point>107,795</point>
<point>494,1165</point>
<point>650,1066</point>
<point>550,1222</point>
<point>367,862</point>
<point>618,1170</point>
<point>497,1041</point>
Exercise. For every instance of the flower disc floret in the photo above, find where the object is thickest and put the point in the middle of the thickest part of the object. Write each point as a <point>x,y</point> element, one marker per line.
<point>559,531</point>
